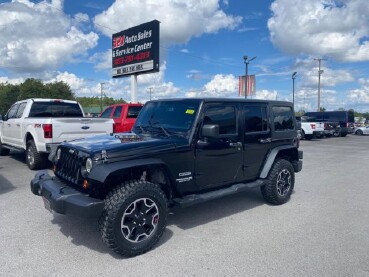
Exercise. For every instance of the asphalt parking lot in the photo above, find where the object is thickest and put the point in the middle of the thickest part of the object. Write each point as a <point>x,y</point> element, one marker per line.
<point>322,231</point>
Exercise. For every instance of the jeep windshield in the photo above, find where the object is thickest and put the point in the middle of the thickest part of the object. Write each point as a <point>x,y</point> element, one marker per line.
<point>167,118</point>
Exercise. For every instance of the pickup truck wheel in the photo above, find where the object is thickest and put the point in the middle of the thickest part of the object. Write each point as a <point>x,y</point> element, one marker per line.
<point>33,158</point>
<point>3,151</point>
<point>279,183</point>
<point>134,218</point>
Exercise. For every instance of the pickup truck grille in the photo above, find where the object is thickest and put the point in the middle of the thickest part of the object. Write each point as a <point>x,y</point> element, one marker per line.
<point>69,167</point>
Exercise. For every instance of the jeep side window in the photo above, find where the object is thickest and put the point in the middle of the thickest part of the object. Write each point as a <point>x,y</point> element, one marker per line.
<point>224,116</point>
<point>283,118</point>
<point>256,119</point>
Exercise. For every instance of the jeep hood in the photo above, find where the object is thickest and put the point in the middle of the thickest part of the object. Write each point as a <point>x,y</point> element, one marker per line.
<point>125,145</point>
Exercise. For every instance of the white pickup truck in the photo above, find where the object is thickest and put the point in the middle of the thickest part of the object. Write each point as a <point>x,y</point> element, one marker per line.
<point>37,126</point>
<point>310,129</point>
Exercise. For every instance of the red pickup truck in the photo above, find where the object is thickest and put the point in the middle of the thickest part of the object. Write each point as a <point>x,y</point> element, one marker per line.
<point>124,116</point>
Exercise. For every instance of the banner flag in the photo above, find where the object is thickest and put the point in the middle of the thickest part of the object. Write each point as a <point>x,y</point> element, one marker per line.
<point>251,85</point>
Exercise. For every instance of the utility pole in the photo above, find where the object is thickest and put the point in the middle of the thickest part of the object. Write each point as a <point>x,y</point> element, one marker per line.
<point>319,73</point>
<point>247,61</point>
<point>293,88</point>
<point>150,90</point>
<point>101,97</point>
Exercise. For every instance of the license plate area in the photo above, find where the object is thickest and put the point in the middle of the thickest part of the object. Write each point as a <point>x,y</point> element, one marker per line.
<point>47,204</point>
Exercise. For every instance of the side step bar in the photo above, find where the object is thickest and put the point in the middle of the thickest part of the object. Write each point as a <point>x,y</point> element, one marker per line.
<point>193,199</point>
<point>13,148</point>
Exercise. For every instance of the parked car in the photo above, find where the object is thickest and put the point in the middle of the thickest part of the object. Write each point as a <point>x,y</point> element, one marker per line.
<point>362,130</point>
<point>182,152</point>
<point>37,126</point>
<point>310,128</point>
<point>345,118</point>
<point>124,116</point>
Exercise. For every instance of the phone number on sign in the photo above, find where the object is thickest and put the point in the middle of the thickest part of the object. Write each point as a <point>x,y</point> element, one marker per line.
<point>131,58</point>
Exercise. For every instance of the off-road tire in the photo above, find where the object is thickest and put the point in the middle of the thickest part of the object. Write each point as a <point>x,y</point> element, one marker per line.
<point>117,203</point>
<point>34,159</point>
<point>3,151</point>
<point>270,191</point>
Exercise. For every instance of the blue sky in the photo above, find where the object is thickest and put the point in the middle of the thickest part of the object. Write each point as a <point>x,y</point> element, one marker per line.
<point>202,47</point>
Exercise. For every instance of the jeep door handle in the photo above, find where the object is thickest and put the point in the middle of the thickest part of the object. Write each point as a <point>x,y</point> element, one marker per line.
<point>267,140</point>
<point>235,144</point>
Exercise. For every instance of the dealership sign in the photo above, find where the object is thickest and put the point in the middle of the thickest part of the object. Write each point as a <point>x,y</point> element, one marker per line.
<point>136,50</point>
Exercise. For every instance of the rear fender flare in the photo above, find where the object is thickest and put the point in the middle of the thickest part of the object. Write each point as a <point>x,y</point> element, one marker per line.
<point>271,158</point>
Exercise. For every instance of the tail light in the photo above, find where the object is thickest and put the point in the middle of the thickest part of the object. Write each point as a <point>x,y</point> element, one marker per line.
<point>48,130</point>
<point>312,126</point>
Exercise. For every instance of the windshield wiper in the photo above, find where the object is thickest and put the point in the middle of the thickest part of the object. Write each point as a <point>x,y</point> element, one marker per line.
<point>156,125</point>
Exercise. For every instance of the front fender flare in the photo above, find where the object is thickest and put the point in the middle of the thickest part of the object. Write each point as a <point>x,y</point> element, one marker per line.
<point>102,171</point>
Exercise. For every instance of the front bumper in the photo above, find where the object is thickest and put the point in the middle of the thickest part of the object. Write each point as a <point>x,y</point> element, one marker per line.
<point>64,199</point>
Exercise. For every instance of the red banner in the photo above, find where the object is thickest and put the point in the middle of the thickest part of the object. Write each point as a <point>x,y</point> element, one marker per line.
<point>251,85</point>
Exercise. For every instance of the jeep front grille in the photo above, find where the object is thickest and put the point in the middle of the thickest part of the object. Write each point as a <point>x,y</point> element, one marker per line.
<point>68,166</point>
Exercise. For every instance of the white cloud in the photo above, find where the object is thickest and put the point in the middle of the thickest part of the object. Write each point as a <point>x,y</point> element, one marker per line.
<point>360,95</point>
<point>38,37</point>
<point>338,29</point>
<point>180,20</point>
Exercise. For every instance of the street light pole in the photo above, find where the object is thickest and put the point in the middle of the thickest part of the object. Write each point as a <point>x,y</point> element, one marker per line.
<point>293,88</point>
<point>319,73</point>
<point>150,89</point>
<point>247,61</point>
<point>101,91</point>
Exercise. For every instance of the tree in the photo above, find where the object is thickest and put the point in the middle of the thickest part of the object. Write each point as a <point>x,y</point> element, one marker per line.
<point>8,95</point>
<point>33,88</point>
<point>322,109</point>
<point>60,90</point>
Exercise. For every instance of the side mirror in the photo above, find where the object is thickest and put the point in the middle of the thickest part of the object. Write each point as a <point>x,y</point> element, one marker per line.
<point>210,131</point>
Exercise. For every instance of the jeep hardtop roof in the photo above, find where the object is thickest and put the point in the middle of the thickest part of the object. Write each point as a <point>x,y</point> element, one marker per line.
<point>228,100</point>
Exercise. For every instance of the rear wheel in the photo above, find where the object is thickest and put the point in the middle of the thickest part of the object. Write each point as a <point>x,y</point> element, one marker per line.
<point>3,151</point>
<point>34,159</point>
<point>134,218</point>
<point>280,183</point>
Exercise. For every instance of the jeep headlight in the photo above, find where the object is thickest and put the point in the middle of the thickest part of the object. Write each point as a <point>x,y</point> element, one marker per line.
<point>88,165</point>
<point>58,152</point>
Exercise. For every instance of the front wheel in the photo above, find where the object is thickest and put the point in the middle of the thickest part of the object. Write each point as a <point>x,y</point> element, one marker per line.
<point>359,132</point>
<point>280,182</point>
<point>134,218</point>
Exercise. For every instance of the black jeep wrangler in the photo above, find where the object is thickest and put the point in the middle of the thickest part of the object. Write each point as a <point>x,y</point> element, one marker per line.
<point>180,152</point>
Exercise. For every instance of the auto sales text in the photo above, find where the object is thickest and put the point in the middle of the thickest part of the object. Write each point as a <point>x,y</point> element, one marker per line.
<point>121,40</point>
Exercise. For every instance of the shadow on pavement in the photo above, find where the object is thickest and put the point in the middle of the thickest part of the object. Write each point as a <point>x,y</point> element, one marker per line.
<point>214,210</point>
<point>5,185</point>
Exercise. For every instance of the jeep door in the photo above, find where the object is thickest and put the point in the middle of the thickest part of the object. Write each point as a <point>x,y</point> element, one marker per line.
<point>256,138</point>
<point>218,160</point>
<point>9,125</point>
